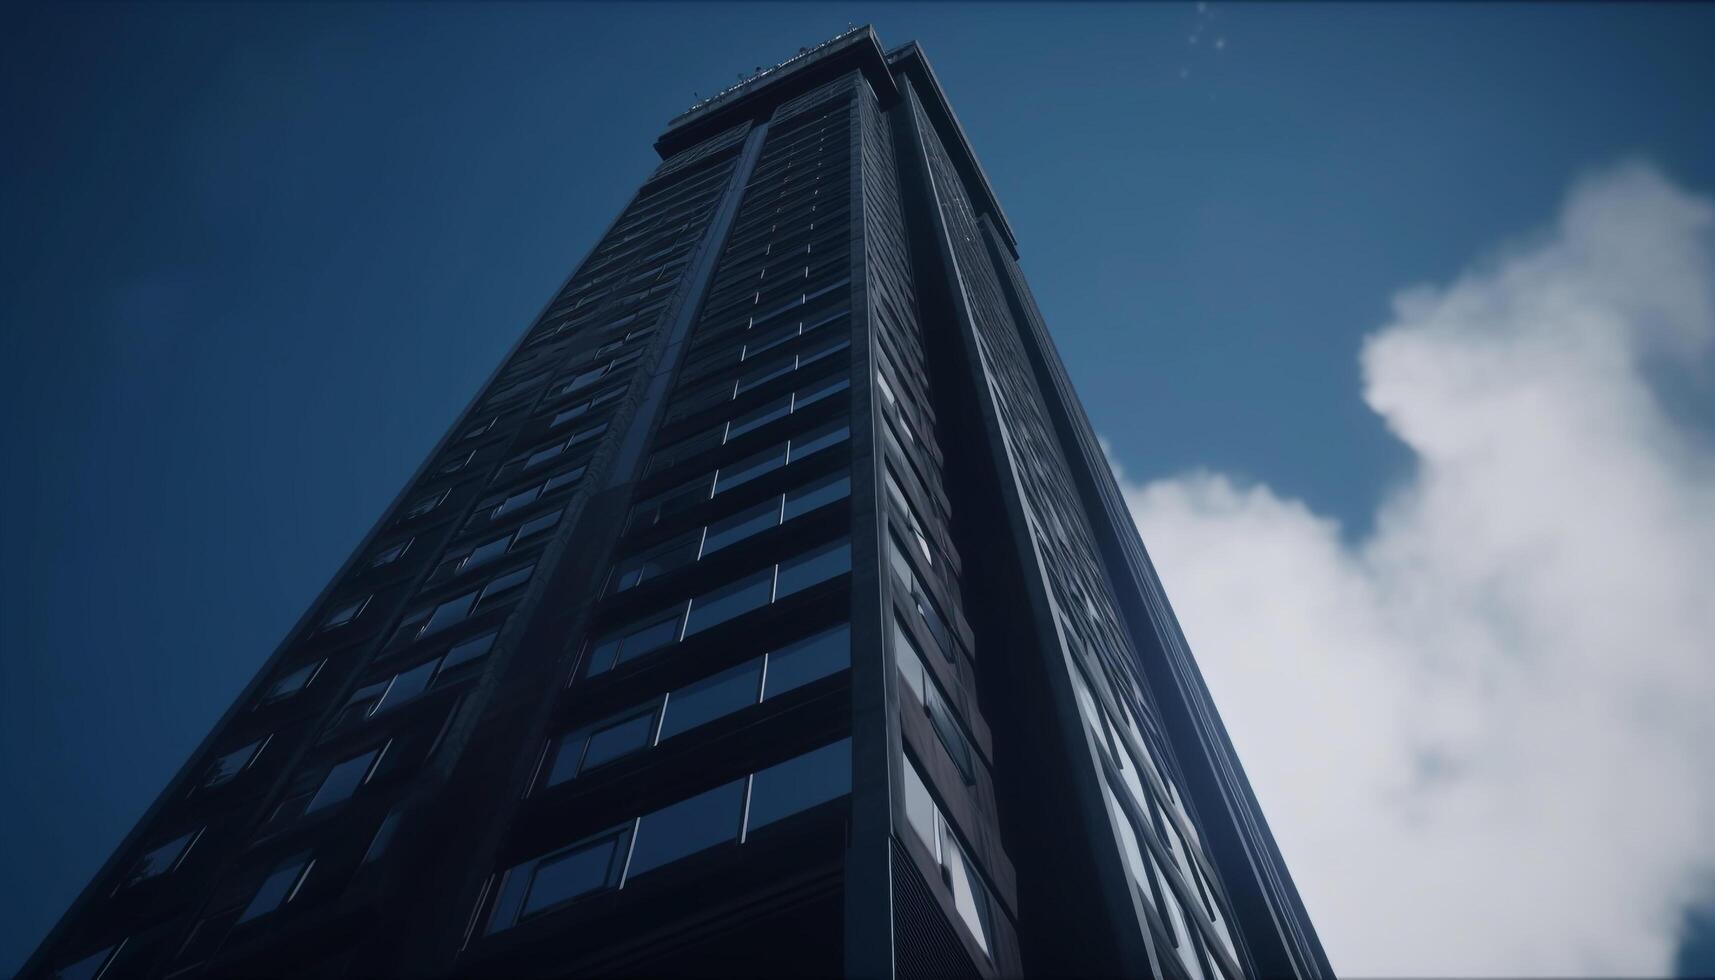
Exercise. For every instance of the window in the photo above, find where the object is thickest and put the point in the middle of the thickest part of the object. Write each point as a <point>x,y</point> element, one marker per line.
<point>406,686</point>
<point>635,640</point>
<point>674,501</point>
<point>801,572</point>
<point>583,380</point>
<point>811,496</point>
<point>498,588</point>
<point>601,743</point>
<point>485,553</point>
<point>163,859</point>
<point>903,505</point>
<point>756,418</point>
<point>344,779</point>
<point>292,683</point>
<point>280,887</point>
<point>447,613</point>
<point>798,784</point>
<point>425,504</point>
<point>520,499</point>
<point>537,525</point>
<point>713,608</point>
<point>226,767</point>
<point>457,463</point>
<point>712,697</point>
<point>654,561</point>
<point>563,479</point>
<point>813,393</point>
<point>345,614</point>
<point>740,472</point>
<point>479,430</point>
<point>808,660</point>
<point>819,439</point>
<point>916,675</point>
<point>970,895</point>
<point>688,827</point>
<point>585,435</point>
<point>390,554</point>
<point>568,414</point>
<point>919,599</point>
<point>572,872</point>
<point>737,527</point>
<point>467,651</point>
<point>543,455</point>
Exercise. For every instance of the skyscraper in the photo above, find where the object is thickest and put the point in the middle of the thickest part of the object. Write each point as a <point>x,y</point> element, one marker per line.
<point>771,610</point>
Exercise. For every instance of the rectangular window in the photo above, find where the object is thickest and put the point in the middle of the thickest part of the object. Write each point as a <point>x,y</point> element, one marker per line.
<point>541,456</point>
<point>658,560</point>
<point>814,567</point>
<point>452,611</point>
<point>226,767</point>
<point>970,895</point>
<point>742,471</point>
<point>737,527</point>
<point>502,585</point>
<point>798,784</point>
<point>344,779</point>
<point>468,650</point>
<point>563,479</point>
<point>345,614</point>
<point>819,439</point>
<point>520,499</point>
<point>280,887</point>
<point>587,748</point>
<point>758,417</point>
<point>712,697</point>
<point>815,392</point>
<point>687,827</point>
<point>837,486</point>
<point>163,859</point>
<point>809,659</point>
<point>406,686</point>
<point>425,504</point>
<point>536,525</point>
<point>292,683</point>
<point>635,640</point>
<point>909,661</point>
<point>546,882</point>
<point>484,553</point>
<point>390,554</point>
<point>736,599</point>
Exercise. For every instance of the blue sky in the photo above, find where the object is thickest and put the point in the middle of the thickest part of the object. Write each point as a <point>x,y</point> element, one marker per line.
<point>257,257</point>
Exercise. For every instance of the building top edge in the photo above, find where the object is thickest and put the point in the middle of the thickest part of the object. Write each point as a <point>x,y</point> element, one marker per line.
<point>755,97</point>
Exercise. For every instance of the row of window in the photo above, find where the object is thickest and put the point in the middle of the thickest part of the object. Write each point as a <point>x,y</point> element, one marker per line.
<point>727,814</point>
<point>1128,771</point>
<point>396,689</point>
<point>692,705</point>
<point>921,680</point>
<point>747,422</point>
<point>971,897</point>
<point>707,486</point>
<point>427,620</point>
<point>700,542</point>
<point>689,617</point>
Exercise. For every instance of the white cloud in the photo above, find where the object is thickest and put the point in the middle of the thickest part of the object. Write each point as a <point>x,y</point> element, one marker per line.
<point>1484,734</point>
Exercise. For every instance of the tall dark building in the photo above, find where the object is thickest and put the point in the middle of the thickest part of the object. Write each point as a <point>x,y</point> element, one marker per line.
<point>772,610</point>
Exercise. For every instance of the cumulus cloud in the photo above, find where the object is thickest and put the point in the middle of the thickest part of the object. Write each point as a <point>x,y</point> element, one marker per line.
<point>1484,732</point>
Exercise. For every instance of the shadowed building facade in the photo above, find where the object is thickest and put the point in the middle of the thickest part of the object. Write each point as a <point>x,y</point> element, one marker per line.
<point>771,610</point>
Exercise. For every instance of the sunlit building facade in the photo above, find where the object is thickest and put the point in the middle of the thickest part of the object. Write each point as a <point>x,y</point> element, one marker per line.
<point>771,610</point>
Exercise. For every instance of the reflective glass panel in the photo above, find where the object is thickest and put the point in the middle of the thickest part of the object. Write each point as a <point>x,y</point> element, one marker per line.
<point>687,827</point>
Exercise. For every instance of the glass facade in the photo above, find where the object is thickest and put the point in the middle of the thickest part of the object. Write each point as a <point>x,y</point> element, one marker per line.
<point>765,613</point>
